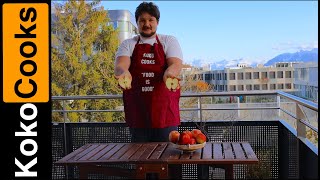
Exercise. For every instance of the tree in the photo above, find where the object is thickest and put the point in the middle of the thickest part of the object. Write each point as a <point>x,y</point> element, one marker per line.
<point>83,53</point>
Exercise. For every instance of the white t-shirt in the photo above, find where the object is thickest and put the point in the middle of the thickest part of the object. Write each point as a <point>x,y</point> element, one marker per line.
<point>169,43</point>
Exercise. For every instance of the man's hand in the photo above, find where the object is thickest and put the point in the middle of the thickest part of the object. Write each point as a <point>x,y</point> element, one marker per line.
<point>124,79</point>
<point>172,73</point>
<point>122,73</point>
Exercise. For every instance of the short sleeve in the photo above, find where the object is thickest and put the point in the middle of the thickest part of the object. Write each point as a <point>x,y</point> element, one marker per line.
<point>124,49</point>
<point>173,48</point>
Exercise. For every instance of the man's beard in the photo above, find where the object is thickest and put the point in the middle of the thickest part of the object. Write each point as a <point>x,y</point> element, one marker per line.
<point>147,35</point>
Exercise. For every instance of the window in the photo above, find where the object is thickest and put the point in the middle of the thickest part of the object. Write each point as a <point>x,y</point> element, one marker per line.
<point>207,77</point>
<point>123,26</point>
<point>280,74</point>
<point>264,86</point>
<point>288,74</point>
<point>272,75</point>
<point>256,87</point>
<point>248,87</point>
<point>255,75</point>
<point>240,76</point>
<point>303,75</point>
<point>240,88</point>
<point>288,86</point>
<point>232,76</point>
<point>232,87</point>
<point>280,86</point>
<point>272,86</point>
<point>264,74</point>
<point>248,75</point>
<point>296,74</point>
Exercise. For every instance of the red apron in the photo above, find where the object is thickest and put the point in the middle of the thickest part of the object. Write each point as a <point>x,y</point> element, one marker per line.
<point>149,104</point>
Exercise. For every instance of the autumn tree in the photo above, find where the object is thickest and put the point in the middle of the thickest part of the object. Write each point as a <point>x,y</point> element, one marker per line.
<point>83,52</point>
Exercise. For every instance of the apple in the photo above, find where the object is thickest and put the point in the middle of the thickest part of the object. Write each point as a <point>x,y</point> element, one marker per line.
<point>192,141</point>
<point>174,136</point>
<point>201,138</point>
<point>189,133</point>
<point>184,138</point>
<point>195,132</point>
<point>172,83</point>
<point>125,82</point>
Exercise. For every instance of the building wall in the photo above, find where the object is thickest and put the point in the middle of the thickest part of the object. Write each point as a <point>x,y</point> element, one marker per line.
<point>248,79</point>
<point>124,20</point>
<point>306,80</point>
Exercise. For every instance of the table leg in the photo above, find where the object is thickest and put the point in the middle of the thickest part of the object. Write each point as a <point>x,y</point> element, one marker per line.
<point>203,171</point>
<point>83,172</point>
<point>229,171</point>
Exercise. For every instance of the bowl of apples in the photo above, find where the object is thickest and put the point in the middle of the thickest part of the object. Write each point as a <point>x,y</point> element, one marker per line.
<point>188,141</point>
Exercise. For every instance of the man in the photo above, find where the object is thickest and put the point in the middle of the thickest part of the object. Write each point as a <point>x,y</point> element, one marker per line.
<point>151,109</point>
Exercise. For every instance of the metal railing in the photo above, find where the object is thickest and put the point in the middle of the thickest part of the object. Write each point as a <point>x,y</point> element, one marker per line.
<point>299,116</point>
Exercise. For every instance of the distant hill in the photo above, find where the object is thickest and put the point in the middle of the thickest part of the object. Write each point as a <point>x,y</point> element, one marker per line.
<point>301,56</point>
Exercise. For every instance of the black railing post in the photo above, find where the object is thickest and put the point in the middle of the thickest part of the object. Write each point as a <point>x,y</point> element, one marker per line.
<point>283,141</point>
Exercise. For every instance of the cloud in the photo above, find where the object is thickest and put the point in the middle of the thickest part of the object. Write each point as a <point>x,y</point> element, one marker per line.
<point>291,46</point>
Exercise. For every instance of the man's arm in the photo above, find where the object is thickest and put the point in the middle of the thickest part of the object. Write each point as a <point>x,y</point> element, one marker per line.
<point>122,65</point>
<point>174,68</point>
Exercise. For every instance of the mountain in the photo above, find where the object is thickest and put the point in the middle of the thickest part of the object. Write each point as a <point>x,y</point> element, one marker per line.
<point>301,56</point>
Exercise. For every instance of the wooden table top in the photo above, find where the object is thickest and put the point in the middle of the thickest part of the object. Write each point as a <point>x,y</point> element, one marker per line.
<point>161,152</point>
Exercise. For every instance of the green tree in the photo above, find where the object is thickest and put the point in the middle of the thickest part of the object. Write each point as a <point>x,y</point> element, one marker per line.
<point>83,52</point>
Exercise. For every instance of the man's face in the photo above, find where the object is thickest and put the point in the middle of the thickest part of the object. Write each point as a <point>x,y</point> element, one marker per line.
<point>147,25</point>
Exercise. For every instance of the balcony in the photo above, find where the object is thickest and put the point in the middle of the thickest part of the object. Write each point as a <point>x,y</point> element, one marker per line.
<point>281,128</point>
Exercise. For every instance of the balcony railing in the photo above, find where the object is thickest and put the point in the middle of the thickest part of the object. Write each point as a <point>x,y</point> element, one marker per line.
<point>292,116</point>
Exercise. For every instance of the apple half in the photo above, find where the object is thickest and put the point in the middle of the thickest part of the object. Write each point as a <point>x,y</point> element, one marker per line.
<point>125,82</point>
<point>172,83</point>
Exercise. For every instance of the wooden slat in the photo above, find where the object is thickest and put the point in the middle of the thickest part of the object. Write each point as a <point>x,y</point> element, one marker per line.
<point>158,151</point>
<point>217,151</point>
<point>249,151</point>
<point>207,151</point>
<point>102,152</point>
<point>92,153</point>
<point>121,151</point>
<point>197,154</point>
<point>238,151</point>
<point>131,151</point>
<point>83,153</point>
<point>148,152</point>
<point>171,153</point>
<point>186,155</point>
<point>74,153</point>
<point>228,154</point>
<point>111,152</point>
<point>141,151</point>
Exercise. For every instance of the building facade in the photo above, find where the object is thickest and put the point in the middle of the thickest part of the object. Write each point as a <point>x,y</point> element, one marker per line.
<point>306,80</point>
<point>124,21</point>
<point>245,78</point>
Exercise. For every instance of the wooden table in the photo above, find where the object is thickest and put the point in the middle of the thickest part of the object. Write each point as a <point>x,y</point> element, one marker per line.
<point>156,158</point>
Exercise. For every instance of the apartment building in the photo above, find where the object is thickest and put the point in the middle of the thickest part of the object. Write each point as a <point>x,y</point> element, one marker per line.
<point>125,22</point>
<point>306,80</point>
<point>246,78</point>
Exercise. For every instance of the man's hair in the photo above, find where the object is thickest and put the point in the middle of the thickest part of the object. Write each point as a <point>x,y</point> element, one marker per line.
<point>150,8</point>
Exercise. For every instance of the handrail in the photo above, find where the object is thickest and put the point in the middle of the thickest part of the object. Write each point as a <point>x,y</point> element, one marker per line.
<point>202,94</point>
<point>298,100</point>
<point>303,102</point>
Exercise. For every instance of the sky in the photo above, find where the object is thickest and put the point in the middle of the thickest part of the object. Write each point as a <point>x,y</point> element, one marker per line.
<point>255,31</point>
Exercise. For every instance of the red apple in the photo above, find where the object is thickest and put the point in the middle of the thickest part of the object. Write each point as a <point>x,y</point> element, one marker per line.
<point>201,138</point>
<point>189,133</point>
<point>195,132</point>
<point>174,136</point>
<point>192,141</point>
<point>184,138</point>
